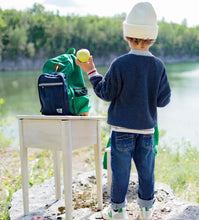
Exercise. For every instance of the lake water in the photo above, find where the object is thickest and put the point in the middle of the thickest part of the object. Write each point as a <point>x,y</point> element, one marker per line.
<point>180,118</point>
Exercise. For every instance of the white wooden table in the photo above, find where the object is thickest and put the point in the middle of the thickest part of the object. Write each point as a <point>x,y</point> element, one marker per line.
<point>60,133</point>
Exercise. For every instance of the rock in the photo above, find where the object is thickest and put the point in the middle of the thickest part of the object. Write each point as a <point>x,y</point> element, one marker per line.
<point>42,201</point>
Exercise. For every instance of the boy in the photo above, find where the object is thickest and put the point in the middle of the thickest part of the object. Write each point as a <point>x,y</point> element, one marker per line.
<point>135,85</point>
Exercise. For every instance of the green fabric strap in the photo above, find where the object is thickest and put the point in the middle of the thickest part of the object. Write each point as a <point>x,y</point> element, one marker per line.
<point>105,154</point>
<point>71,51</point>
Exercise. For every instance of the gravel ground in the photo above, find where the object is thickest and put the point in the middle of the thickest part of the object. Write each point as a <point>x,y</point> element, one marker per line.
<point>42,201</point>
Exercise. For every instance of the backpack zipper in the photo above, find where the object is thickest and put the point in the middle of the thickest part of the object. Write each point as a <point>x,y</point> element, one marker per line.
<point>73,104</point>
<point>51,84</point>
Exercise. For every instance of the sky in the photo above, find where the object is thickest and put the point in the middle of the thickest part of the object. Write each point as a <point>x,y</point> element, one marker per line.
<point>171,10</point>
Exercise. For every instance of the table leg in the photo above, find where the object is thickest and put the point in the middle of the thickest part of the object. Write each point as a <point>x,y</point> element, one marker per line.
<point>24,169</point>
<point>98,167</point>
<point>56,159</point>
<point>67,167</point>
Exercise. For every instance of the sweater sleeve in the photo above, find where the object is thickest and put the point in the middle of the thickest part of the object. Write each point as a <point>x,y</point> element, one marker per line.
<point>164,92</point>
<point>109,86</point>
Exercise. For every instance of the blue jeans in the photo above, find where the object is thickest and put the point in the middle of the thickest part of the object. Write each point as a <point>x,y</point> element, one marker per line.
<point>124,147</point>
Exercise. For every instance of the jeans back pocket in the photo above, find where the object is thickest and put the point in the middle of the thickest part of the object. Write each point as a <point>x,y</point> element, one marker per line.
<point>124,141</point>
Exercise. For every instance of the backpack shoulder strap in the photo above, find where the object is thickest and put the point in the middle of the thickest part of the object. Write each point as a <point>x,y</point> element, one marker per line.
<point>71,51</point>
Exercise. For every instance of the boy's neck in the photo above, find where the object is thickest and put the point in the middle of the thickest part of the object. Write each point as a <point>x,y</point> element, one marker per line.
<point>140,47</point>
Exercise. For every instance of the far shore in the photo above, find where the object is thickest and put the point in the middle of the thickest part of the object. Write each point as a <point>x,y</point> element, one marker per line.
<point>23,63</point>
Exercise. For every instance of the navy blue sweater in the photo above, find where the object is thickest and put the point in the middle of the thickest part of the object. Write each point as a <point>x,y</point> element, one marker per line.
<point>135,85</point>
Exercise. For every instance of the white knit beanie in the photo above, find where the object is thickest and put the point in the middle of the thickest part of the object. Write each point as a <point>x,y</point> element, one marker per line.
<point>141,22</point>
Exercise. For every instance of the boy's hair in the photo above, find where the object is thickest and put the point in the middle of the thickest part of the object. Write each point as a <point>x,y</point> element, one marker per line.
<point>142,41</point>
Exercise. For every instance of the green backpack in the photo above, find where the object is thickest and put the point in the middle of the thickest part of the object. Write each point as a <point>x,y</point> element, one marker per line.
<point>79,100</point>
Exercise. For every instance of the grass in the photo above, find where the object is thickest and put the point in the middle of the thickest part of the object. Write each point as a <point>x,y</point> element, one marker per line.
<point>40,167</point>
<point>9,181</point>
<point>177,168</point>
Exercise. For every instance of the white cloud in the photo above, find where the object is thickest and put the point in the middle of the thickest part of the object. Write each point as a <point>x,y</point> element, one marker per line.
<point>177,11</point>
<point>18,5</point>
<point>171,10</point>
<point>61,3</point>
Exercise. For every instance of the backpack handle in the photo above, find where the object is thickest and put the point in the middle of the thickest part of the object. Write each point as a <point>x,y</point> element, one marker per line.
<point>71,51</point>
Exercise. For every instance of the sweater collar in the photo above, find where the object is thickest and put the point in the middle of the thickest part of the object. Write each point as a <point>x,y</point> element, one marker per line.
<point>141,52</point>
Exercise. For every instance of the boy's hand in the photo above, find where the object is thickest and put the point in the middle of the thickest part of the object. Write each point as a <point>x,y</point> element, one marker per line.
<point>86,66</point>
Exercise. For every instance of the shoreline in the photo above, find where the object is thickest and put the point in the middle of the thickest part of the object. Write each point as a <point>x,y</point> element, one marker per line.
<point>23,63</point>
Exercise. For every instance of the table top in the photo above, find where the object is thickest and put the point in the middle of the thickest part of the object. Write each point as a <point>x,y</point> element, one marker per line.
<point>59,117</point>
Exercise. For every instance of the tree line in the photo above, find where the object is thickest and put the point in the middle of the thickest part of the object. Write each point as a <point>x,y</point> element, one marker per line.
<point>35,33</point>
